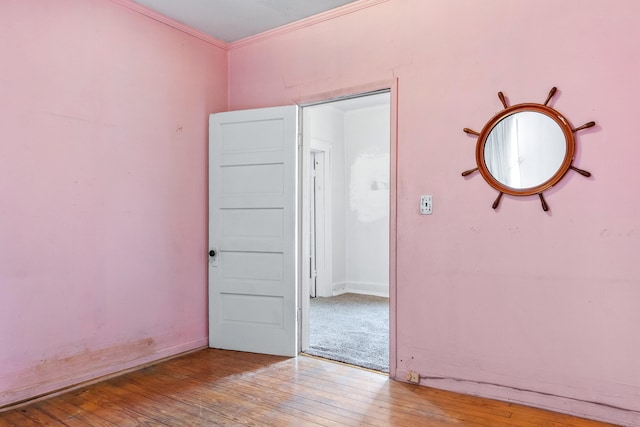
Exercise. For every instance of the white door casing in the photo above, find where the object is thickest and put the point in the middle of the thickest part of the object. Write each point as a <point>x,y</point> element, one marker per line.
<point>313,272</point>
<point>253,226</point>
<point>320,252</point>
<point>321,221</point>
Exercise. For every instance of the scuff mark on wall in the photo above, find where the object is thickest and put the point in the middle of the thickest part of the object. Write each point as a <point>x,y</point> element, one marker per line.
<point>369,186</point>
<point>65,369</point>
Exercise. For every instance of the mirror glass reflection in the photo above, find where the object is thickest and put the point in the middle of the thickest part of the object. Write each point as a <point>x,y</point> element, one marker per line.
<point>525,149</point>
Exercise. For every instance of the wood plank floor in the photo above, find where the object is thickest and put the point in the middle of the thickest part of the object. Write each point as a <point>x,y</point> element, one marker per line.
<point>225,388</point>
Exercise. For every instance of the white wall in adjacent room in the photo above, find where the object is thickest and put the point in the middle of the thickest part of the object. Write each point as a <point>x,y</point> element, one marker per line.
<point>367,199</point>
<point>359,140</point>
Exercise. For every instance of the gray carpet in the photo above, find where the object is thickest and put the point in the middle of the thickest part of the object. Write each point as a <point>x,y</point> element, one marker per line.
<point>351,328</point>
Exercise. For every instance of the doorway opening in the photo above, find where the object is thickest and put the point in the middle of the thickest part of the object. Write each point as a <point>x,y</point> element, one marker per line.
<point>345,209</point>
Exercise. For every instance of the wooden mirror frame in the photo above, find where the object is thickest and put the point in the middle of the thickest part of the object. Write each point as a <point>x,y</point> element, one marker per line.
<point>566,164</point>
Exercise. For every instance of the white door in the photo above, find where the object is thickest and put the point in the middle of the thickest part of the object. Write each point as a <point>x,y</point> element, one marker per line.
<point>252,230</point>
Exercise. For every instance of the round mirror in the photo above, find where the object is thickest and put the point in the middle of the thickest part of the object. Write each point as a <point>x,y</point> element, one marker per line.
<point>525,149</point>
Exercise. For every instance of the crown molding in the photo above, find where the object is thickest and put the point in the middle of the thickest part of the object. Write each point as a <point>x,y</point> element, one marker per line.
<point>135,7</point>
<point>307,22</point>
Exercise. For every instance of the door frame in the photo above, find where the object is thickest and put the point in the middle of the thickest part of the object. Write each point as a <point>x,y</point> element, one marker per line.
<point>304,152</point>
<point>323,208</point>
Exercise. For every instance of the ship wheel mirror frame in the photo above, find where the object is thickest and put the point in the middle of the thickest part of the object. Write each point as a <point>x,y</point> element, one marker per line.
<point>526,149</point>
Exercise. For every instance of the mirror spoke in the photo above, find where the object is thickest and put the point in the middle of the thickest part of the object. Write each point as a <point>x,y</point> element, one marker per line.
<point>469,172</point>
<point>551,93</point>
<point>545,207</point>
<point>584,126</point>
<point>497,201</point>
<point>504,101</point>
<point>581,171</point>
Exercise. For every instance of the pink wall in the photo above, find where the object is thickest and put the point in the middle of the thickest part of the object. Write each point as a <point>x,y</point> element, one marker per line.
<point>518,304</point>
<point>103,173</point>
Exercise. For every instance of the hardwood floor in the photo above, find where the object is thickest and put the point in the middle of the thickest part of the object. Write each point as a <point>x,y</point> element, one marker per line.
<point>216,387</point>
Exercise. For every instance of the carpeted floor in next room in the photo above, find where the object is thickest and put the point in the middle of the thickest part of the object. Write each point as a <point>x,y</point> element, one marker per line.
<point>351,328</point>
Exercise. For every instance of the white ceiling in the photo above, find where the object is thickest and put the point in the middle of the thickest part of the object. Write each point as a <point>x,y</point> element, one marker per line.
<point>232,20</point>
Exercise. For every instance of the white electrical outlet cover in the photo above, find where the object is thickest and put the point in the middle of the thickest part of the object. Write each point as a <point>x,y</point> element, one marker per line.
<point>426,205</point>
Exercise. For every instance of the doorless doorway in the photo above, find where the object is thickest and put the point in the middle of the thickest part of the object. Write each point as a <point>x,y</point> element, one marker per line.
<point>346,219</point>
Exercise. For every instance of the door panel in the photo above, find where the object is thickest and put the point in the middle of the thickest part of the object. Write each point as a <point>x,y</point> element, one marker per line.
<point>252,229</point>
